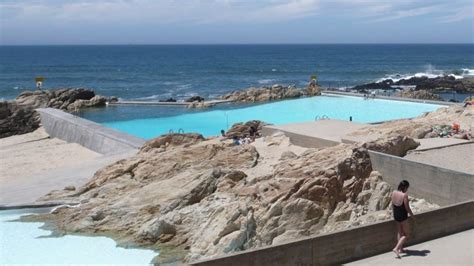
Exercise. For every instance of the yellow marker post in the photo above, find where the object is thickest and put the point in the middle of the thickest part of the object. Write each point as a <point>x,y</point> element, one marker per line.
<point>39,82</point>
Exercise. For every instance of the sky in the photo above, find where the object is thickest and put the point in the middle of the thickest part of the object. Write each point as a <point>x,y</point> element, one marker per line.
<point>43,22</point>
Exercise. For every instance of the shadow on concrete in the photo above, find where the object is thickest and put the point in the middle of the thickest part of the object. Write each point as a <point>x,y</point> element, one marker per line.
<point>420,253</point>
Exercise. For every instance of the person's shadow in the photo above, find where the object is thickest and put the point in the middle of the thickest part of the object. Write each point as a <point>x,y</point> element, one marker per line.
<point>412,252</point>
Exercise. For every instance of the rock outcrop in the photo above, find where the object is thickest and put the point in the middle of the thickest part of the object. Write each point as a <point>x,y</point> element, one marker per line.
<point>275,92</point>
<point>16,119</point>
<point>419,94</point>
<point>195,99</point>
<point>431,85</point>
<point>209,197</point>
<point>19,116</point>
<point>439,123</point>
<point>64,99</point>
<point>251,128</point>
<point>397,146</point>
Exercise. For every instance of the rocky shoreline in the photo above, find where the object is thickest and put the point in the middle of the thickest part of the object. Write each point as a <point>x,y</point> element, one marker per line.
<point>270,93</point>
<point>18,116</point>
<point>420,87</point>
<point>194,198</point>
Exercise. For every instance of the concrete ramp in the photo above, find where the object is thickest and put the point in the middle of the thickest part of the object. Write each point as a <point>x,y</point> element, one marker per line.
<point>315,134</point>
<point>62,125</point>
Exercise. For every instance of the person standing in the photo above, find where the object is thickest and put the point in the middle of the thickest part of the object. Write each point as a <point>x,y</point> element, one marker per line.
<point>401,209</point>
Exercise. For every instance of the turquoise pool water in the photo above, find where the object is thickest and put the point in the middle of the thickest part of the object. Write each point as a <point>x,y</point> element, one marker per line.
<point>26,244</point>
<point>210,123</point>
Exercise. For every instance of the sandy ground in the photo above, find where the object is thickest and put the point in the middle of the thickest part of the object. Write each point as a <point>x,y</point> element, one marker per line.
<point>33,153</point>
<point>31,165</point>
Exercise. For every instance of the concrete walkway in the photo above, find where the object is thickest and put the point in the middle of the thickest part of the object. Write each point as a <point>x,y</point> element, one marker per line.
<point>459,157</point>
<point>25,190</point>
<point>457,249</point>
<point>33,164</point>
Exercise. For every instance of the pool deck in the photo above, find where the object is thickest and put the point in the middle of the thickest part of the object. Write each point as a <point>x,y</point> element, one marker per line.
<point>458,157</point>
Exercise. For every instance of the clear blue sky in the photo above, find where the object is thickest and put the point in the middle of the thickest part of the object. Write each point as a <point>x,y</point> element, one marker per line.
<point>31,22</point>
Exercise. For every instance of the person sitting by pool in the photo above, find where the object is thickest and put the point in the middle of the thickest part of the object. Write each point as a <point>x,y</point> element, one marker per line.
<point>222,133</point>
<point>236,140</point>
<point>252,133</point>
<point>469,102</point>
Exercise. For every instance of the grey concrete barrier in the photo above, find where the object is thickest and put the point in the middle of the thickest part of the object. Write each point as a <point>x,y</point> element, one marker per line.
<point>62,125</point>
<point>356,243</point>
<point>435,184</point>
<point>393,98</point>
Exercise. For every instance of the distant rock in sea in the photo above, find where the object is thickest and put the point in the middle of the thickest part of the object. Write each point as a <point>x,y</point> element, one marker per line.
<point>431,85</point>
<point>274,92</point>
<point>419,94</point>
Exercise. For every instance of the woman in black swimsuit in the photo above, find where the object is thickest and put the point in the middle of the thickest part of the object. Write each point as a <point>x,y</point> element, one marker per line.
<point>401,209</point>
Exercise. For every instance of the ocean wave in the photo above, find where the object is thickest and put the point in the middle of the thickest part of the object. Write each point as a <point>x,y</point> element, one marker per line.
<point>265,81</point>
<point>467,72</point>
<point>184,86</point>
<point>152,97</point>
<point>431,72</point>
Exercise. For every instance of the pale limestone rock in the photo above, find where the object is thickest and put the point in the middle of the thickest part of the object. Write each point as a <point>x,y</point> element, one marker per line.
<point>208,197</point>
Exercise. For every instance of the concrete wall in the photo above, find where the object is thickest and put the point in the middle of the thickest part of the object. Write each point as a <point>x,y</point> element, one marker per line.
<point>393,98</point>
<point>435,184</point>
<point>356,243</point>
<point>300,140</point>
<point>62,125</point>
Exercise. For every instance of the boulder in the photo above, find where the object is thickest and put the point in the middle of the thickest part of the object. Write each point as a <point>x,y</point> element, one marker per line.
<point>248,129</point>
<point>195,99</point>
<point>274,92</point>
<point>419,94</point>
<point>398,146</point>
<point>173,139</point>
<point>17,119</point>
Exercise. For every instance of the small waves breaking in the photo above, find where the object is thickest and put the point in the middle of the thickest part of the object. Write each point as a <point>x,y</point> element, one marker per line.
<point>431,72</point>
<point>266,81</point>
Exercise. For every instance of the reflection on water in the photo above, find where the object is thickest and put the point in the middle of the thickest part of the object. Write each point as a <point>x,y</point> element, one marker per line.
<point>25,243</point>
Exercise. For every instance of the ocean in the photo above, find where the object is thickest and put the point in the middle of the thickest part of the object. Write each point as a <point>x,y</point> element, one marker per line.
<point>152,72</point>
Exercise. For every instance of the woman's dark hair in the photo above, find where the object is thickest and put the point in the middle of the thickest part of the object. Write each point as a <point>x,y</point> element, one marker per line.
<point>403,186</point>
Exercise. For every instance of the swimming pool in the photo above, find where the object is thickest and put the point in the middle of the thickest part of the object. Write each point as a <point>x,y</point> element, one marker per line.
<point>26,243</point>
<point>210,123</point>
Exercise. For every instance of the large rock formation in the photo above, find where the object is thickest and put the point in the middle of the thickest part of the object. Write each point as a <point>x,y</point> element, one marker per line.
<point>419,94</point>
<point>431,85</point>
<point>64,99</point>
<point>16,119</point>
<point>434,124</point>
<point>251,128</point>
<point>275,92</point>
<point>19,116</point>
<point>209,197</point>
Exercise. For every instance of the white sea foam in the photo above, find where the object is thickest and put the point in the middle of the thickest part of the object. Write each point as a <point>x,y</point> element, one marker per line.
<point>184,86</point>
<point>430,72</point>
<point>265,81</point>
<point>467,72</point>
<point>151,97</point>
